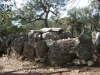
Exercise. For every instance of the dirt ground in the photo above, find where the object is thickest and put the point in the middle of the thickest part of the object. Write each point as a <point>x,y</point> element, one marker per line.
<point>15,67</point>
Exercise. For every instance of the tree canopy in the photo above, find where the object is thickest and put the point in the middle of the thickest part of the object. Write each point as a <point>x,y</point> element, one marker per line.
<point>40,10</point>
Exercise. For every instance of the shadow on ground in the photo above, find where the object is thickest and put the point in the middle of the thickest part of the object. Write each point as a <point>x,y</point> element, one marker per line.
<point>35,73</point>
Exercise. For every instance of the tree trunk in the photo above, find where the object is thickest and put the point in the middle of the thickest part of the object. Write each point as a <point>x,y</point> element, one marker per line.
<point>95,28</point>
<point>46,23</point>
<point>46,20</point>
<point>72,31</point>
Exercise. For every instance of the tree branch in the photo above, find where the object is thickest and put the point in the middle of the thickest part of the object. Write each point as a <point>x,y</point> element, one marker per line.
<point>53,13</point>
<point>32,20</point>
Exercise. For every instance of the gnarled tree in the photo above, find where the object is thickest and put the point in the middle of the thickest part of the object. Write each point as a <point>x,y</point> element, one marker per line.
<point>40,10</point>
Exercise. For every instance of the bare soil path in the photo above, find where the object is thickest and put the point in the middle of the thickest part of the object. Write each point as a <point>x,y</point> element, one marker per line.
<point>15,67</point>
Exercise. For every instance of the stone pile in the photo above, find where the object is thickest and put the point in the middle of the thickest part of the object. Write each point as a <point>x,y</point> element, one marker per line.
<point>52,46</point>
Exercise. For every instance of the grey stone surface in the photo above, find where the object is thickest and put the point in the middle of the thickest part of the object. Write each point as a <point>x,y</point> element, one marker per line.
<point>85,47</point>
<point>31,36</point>
<point>51,29</point>
<point>50,35</point>
<point>23,36</point>
<point>49,42</point>
<point>41,49</point>
<point>65,35</point>
<point>79,62</point>
<point>17,48</point>
<point>90,63</point>
<point>37,36</point>
<point>28,51</point>
<point>58,54</point>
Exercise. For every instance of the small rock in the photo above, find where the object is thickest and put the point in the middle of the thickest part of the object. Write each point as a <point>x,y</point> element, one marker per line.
<point>76,70</point>
<point>90,63</point>
<point>42,60</point>
<point>37,60</point>
<point>79,62</point>
<point>21,57</point>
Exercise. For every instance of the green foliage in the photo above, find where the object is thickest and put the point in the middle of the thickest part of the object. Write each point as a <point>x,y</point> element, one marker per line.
<point>86,18</point>
<point>33,26</point>
<point>6,26</point>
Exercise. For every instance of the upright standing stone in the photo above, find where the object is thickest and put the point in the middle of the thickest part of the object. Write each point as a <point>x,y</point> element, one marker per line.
<point>28,51</point>
<point>41,49</point>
